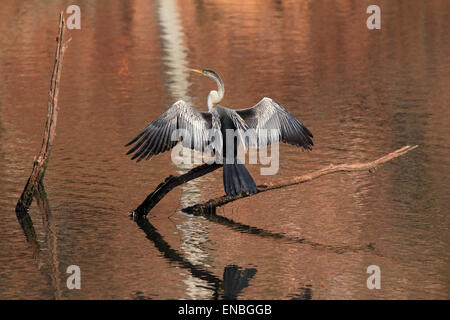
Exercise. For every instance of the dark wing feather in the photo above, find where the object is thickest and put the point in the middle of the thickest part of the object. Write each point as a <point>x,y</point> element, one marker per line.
<point>280,125</point>
<point>156,137</point>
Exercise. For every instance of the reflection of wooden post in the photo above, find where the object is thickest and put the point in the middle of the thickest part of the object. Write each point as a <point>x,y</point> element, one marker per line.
<point>51,239</point>
<point>40,162</point>
<point>30,233</point>
<point>48,265</point>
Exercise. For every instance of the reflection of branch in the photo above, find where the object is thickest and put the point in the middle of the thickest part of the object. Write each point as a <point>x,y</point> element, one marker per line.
<point>210,205</point>
<point>49,267</point>
<point>50,228</point>
<point>234,280</point>
<point>304,294</point>
<point>174,256</point>
<point>212,216</point>
<point>26,223</point>
<point>40,162</point>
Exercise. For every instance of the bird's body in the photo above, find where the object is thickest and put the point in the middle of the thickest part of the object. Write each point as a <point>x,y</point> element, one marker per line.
<point>236,178</point>
<point>266,116</point>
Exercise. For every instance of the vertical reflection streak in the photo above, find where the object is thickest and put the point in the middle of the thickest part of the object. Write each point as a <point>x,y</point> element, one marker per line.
<point>193,233</point>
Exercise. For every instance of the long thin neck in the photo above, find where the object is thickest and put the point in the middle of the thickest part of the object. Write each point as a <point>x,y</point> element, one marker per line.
<point>220,89</point>
<point>214,97</point>
<point>210,100</point>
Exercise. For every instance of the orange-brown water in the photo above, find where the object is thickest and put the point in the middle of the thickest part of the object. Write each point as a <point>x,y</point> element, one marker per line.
<point>362,93</point>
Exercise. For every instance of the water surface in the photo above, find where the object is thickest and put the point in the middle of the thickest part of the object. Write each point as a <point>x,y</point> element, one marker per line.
<point>362,93</point>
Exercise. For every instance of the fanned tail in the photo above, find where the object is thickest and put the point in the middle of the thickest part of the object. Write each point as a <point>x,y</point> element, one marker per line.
<point>237,179</point>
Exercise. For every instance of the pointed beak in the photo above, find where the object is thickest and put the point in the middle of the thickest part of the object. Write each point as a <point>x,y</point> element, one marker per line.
<point>196,70</point>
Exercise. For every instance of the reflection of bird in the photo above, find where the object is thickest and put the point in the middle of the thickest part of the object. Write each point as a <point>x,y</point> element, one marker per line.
<point>266,114</point>
<point>235,280</point>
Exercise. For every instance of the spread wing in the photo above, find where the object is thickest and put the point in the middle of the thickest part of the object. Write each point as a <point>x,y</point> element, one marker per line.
<point>273,122</point>
<point>157,136</point>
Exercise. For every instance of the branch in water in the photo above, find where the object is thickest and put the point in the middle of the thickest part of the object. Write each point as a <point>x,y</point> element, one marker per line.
<point>40,162</point>
<point>209,206</point>
<point>168,184</point>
